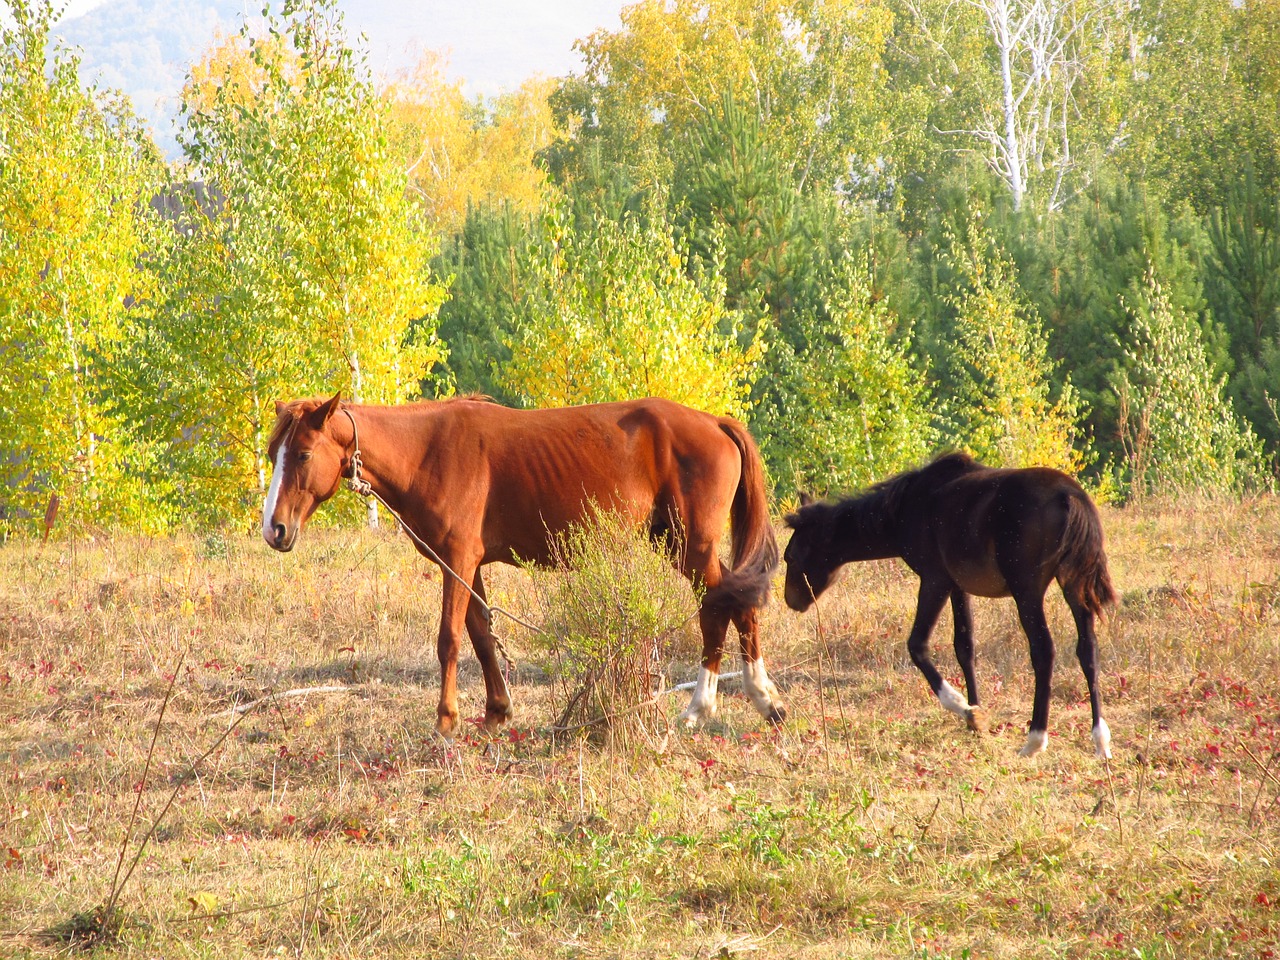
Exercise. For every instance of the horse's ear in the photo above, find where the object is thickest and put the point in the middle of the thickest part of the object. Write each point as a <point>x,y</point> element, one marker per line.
<point>791,519</point>
<point>281,407</point>
<point>805,499</point>
<point>327,410</point>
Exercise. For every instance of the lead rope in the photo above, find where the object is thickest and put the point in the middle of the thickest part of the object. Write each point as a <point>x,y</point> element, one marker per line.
<point>357,484</point>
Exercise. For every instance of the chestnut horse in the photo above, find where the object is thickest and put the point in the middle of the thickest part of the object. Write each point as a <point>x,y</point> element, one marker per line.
<point>477,483</point>
<point>969,529</point>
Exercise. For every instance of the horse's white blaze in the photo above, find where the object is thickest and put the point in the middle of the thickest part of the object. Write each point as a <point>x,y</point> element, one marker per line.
<point>702,705</point>
<point>953,700</point>
<point>1102,739</point>
<point>1037,742</point>
<point>755,678</point>
<point>273,494</point>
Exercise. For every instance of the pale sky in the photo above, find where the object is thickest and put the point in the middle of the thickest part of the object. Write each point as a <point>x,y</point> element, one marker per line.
<point>492,44</point>
<point>144,47</point>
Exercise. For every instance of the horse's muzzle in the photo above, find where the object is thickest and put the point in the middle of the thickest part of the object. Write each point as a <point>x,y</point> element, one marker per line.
<point>281,537</point>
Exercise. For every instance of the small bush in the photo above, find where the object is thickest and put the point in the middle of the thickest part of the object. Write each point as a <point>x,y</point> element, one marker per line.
<point>607,622</point>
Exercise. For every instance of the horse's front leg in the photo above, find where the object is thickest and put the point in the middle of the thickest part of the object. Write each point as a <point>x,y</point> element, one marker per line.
<point>962,617</point>
<point>929,602</point>
<point>497,698</point>
<point>453,613</point>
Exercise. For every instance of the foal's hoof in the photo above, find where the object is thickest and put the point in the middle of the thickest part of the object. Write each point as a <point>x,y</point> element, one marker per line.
<point>1102,740</point>
<point>1037,742</point>
<point>976,720</point>
<point>777,715</point>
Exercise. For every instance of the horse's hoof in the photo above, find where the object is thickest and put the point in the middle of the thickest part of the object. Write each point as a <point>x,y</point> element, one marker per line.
<point>976,720</point>
<point>777,715</point>
<point>445,739</point>
<point>495,720</point>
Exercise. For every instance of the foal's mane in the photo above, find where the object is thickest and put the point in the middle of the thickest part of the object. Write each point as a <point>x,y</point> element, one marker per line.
<point>878,504</point>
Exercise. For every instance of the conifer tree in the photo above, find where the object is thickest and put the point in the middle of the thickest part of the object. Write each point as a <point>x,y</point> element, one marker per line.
<point>1243,288</point>
<point>1006,414</point>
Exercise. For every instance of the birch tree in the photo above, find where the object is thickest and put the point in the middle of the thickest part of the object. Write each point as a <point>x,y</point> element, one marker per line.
<point>1037,99</point>
<point>74,180</point>
<point>308,272</point>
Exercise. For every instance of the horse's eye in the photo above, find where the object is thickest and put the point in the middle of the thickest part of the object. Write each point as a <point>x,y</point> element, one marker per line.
<point>304,456</point>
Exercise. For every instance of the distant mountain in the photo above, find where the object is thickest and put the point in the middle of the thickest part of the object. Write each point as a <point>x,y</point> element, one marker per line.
<point>145,47</point>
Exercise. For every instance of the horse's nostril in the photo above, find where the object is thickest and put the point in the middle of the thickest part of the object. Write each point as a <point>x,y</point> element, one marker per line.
<point>279,532</point>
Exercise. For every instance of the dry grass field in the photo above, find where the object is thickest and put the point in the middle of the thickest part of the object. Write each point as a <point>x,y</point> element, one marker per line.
<point>334,824</point>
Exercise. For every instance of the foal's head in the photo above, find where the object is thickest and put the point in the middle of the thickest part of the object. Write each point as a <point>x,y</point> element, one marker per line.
<point>810,555</point>
<point>829,535</point>
<point>308,468</point>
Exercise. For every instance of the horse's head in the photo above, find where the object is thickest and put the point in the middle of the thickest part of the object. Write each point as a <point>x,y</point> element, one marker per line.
<point>810,554</point>
<point>308,468</point>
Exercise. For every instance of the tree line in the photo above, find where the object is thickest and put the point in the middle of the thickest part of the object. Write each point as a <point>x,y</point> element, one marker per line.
<point>1044,231</point>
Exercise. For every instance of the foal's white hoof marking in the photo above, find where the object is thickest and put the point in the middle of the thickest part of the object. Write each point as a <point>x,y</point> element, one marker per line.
<point>1102,740</point>
<point>953,700</point>
<point>1037,742</point>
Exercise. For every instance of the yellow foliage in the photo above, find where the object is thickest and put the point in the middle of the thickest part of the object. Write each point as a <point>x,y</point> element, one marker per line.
<point>616,317</point>
<point>460,152</point>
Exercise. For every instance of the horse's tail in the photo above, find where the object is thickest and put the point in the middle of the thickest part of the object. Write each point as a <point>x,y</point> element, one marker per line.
<point>745,583</point>
<point>1082,567</point>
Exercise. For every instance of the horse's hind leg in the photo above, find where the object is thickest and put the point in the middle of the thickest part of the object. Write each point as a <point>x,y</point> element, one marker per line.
<point>702,705</point>
<point>497,698</point>
<point>962,616</point>
<point>755,678</point>
<point>929,603</point>
<point>1036,627</point>
<point>1086,651</point>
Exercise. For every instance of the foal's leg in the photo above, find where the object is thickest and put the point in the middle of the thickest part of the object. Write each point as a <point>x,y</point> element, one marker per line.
<point>962,616</point>
<point>1086,651</point>
<point>932,597</point>
<point>1036,627</point>
<point>497,698</point>
<point>755,678</point>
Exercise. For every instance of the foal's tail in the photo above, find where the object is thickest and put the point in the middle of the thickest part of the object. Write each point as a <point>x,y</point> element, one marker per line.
<point>1082,564</point>
<point>745,585</point>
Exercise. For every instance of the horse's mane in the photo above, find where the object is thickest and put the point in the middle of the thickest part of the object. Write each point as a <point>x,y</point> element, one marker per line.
<point>293,410</point>
<point>284,423</point>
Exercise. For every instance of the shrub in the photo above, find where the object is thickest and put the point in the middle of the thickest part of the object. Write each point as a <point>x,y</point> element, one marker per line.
<point>606,622</point>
